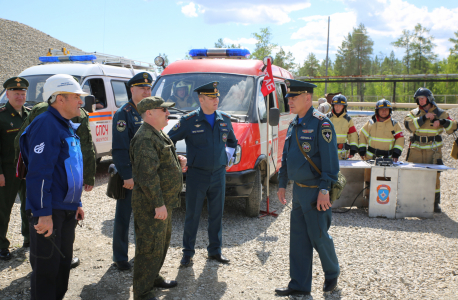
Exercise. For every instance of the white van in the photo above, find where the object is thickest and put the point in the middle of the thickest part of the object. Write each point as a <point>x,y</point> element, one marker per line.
<point>107,83</point>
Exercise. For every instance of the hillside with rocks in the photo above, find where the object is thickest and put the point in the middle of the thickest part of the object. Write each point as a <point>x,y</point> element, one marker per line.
<point>20,47</point>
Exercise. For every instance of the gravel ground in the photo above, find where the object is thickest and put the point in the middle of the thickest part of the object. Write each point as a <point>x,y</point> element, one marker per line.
<point>380,258</point>
<point>20,47</point>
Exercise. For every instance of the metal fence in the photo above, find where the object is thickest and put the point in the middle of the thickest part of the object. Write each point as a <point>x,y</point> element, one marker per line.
<point>451,99</point>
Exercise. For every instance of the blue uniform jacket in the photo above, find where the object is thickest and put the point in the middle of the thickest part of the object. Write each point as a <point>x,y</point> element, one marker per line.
<point>318,139</point>
<point>52,153</point>
<point>205,148</point>
<point>126,122</point>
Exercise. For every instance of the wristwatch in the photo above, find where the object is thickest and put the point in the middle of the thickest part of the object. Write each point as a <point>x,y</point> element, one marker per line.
<point>324,192</point>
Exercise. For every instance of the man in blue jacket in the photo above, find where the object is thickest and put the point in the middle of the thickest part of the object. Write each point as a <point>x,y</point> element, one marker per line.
<point>126,122</point>
<point>313,134</point>
<point>52,153</point>
<point>210,146</point>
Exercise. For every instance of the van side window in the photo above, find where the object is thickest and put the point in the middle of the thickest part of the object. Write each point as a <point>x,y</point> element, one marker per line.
<point>282,102</point>
<point>262,110</point>
<point>96,87</point>
<point>120,92</point>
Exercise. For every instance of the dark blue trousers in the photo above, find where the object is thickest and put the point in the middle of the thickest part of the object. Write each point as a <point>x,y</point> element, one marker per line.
<point>121,228</point>
<point>309,230</point>
<point>200,184</point>
<point>50,272</point>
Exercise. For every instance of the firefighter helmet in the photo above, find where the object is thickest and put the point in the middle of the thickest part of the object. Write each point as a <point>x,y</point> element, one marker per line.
<point>383,104</point>
<point>339,99</point>
<point>426,93</point>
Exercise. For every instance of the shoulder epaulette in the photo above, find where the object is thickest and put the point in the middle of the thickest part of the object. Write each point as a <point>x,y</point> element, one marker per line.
<point>3,108</point>
<point>318,115</point>
<point>190,115</point>
<point>225,114</point>
<point>347,117</point>
<point>128,107</point>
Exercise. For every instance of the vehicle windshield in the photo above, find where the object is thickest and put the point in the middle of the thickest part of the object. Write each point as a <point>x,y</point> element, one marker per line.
<point>35,90</point>
<point>236,91</point>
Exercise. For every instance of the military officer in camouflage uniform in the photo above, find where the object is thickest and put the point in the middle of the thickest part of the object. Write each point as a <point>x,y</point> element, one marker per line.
<point>210,146</point>
<point>87,148</point>
<point>12,115</point>
<point>311,214</point>
<point>157,173</point>
<point>126,122</point>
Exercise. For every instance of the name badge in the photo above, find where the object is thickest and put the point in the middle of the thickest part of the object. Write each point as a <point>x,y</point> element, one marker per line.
<point>197,131</point>
<point>306,138</point>
<point>224,129</point>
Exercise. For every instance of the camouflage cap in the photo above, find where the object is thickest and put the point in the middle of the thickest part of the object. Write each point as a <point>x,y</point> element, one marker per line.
<point>151,103</point>
<point>16,83</point>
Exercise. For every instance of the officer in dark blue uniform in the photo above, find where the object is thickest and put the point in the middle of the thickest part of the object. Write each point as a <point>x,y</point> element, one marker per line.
<point>311,211</point>
<point>126,122</point>
<point>210,146</point>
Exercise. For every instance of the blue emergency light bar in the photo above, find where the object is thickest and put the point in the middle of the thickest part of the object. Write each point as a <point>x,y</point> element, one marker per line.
<point>63,58</point>
<point>218,52</point>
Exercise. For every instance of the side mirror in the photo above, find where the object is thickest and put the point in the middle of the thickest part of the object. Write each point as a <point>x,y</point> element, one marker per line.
<point>89,102</point>
<point>274,116</point>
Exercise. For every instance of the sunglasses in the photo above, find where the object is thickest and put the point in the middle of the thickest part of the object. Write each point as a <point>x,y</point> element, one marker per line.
<point>164,109</point>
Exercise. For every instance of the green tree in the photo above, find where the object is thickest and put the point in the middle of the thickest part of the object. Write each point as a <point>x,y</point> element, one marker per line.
<point>311,66</point>
<point>422,49</point>
<point>454,50</point>
<point>405,41</point>
<point>284,60</point>
<point>263,46</point>
<point>220,44</point>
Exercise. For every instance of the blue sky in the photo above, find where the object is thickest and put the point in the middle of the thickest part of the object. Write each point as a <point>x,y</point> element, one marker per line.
<point>141,29</point>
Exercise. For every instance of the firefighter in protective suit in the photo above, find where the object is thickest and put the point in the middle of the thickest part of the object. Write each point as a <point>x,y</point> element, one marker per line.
<point>347,136</point>
<point>181,95</point>
<point>426,123</point>
<point>381,136</point>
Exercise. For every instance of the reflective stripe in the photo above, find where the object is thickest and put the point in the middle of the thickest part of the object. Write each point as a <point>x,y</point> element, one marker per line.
<point>362,145</point>
<point>414,120</point>
<point>372,154</point>
<point>434,131</point>
<point>449,126</point>
<point>397,132</point>
<point>438,190</point>
<point>354,144</point>
<point>398,147</point>
<point>430,146</point>
<point>365,132</point>
<point>381,140</point>
<point>42,184</point>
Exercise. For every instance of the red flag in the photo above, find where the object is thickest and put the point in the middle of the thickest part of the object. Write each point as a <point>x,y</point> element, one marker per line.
<point>268,86</point>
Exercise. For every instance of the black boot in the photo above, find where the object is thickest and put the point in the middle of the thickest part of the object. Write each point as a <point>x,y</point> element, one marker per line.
<point>437,201</point>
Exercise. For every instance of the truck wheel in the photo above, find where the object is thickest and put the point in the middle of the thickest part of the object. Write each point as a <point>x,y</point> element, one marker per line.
<point>253,202</point>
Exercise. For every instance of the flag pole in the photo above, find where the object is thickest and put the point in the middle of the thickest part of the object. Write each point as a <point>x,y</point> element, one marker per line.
<point>267,212</point>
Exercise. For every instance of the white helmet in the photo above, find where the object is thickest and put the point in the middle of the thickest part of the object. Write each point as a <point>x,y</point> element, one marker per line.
<point>61,84</point>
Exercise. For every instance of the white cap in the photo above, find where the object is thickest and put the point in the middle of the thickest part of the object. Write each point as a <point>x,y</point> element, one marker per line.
<point>61,84</point>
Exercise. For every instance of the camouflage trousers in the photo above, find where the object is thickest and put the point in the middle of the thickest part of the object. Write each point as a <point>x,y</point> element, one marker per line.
<point>152,243</point>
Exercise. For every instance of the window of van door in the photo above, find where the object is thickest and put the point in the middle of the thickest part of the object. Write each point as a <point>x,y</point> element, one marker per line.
<point>282,102</point>
<point>120,92</point>
<point>97,88</point>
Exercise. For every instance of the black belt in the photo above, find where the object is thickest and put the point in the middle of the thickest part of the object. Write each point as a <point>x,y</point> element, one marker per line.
<point>378,152</point>
<point>427,139</point>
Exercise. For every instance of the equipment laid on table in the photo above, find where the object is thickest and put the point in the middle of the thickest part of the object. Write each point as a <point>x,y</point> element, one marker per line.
<point>385,162</point>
